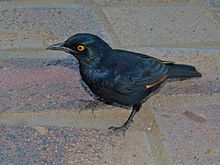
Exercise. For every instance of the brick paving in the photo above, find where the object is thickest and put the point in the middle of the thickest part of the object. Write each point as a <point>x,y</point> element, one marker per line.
<point>41,91</point>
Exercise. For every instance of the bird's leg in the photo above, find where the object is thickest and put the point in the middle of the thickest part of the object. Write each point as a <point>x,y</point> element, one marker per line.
<point>126,125</point>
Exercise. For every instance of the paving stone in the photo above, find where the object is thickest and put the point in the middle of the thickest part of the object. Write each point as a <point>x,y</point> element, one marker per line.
<point>22,81</point>
<point>213,3</point>
<point>137,151</point>
<point>37,26</point>
<point>34,54</point>
<point>191,131</point>
<point>65,145</point>
<point>163,25</point>
<point>136,2</point>
<point>26,145</point>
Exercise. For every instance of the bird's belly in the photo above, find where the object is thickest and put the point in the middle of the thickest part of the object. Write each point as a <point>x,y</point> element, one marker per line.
<point>110,95</point>
<point>100,87</point>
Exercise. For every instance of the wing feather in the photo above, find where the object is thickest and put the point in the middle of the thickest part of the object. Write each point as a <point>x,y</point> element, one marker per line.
<point>135,73</point>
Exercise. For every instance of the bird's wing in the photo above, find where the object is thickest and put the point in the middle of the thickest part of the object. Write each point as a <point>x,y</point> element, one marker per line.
<point>134,74</point>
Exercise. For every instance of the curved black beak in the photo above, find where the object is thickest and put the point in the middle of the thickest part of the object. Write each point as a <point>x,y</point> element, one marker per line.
<point>60,46</point>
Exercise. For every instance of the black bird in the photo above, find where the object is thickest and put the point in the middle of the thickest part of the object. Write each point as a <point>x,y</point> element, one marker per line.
<point>120,76</point>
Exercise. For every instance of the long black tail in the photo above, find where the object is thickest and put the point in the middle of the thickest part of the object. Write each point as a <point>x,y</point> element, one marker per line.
<point>183,71</point>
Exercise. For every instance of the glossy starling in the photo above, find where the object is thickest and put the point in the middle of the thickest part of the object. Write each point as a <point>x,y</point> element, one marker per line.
<point>120,76</point>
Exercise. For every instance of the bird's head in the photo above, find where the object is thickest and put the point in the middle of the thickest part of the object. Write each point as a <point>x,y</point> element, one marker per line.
<point>87,48</point>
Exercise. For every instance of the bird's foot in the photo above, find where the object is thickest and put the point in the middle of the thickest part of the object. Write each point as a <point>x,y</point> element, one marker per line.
<point>123,128</point>
<point>90,104</point>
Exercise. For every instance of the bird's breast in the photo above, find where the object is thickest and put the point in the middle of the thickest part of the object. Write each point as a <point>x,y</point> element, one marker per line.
<point>94,78</point>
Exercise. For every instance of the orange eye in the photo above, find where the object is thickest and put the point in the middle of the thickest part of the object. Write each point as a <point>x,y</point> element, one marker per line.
<point>81,48</point>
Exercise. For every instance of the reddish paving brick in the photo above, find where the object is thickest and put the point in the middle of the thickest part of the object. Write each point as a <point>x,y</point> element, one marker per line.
<point>29,84</point>
<point>16,78</point>
<point>37,86</point>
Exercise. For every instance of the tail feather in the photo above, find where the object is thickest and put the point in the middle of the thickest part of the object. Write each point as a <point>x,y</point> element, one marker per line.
<point>182,71</point>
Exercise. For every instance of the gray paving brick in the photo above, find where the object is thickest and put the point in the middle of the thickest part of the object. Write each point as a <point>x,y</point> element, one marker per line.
<point>38,25</point>
<point>213,3</point>
<point>39,144</point>
<point>191,130</point>
<point>163,25</point>
<point>136,2</point>
<point>51,145</point>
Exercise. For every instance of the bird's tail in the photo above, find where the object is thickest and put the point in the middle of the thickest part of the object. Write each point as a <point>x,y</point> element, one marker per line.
<point>182,71</point>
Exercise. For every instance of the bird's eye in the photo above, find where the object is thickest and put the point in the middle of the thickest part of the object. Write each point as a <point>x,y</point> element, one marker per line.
<point>81,48</point>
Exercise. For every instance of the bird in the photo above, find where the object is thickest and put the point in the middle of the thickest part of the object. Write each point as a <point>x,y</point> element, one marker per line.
<point>118,76</point>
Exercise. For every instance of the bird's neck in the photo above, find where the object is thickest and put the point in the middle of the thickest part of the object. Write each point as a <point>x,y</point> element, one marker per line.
<point>89,64</point>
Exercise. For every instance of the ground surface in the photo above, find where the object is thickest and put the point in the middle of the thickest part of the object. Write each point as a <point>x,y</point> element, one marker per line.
<point>40,121</point>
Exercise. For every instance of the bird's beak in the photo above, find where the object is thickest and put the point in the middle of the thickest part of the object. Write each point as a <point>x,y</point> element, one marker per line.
<point>60,46</point>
